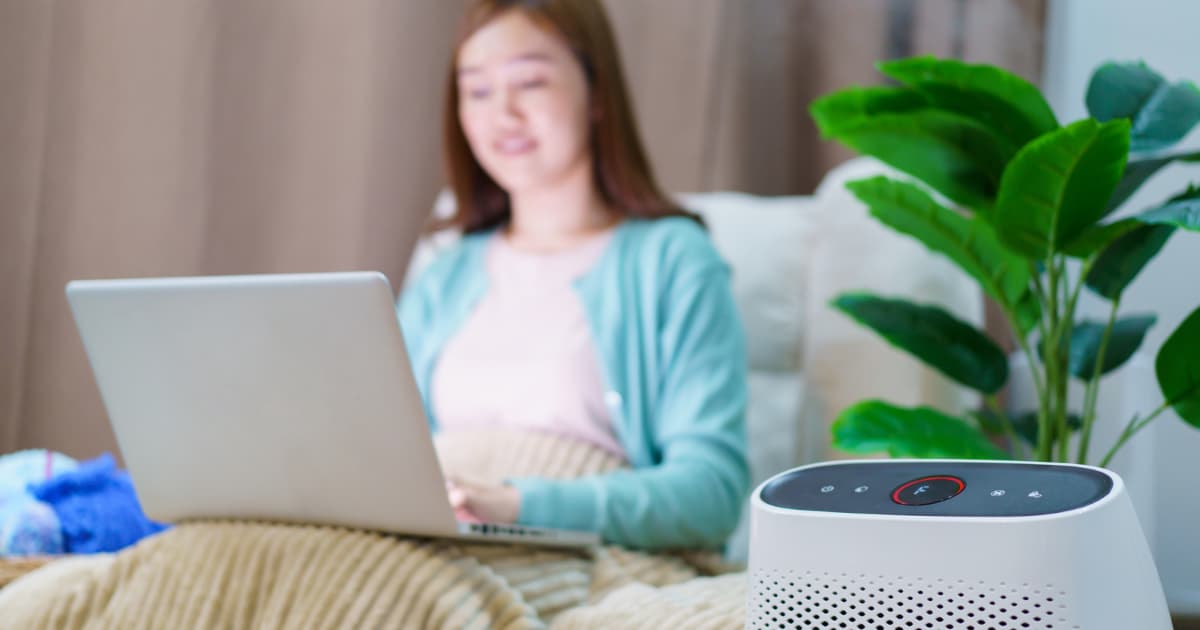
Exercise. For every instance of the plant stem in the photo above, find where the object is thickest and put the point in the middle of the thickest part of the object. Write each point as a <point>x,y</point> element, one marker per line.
<point>1042,297</point>
<point>1083,274</point>
<point>1092,393</point>
<point>1063,346</point>
<point>1062,353</point>
<point>1064,286</point>
<point>1036,374</point>
<point>1049,341</point>
<point>993,404</point>
<point>1130,429</point>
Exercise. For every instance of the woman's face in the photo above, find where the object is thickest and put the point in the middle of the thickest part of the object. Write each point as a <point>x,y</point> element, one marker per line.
<point>523,104</point>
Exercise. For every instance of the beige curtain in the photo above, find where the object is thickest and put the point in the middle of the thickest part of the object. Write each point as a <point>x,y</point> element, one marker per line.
<point>169,137</point>
<point>150,137</point>
<point>722,86</point>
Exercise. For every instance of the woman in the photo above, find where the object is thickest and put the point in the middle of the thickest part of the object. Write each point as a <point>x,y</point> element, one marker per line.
<point>581,301</point>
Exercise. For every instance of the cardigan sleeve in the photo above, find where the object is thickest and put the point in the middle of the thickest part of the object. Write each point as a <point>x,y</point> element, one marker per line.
<point>419,309</point>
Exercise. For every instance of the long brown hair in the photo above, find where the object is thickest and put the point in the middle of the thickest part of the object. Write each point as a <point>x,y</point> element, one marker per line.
<point>621,173</point>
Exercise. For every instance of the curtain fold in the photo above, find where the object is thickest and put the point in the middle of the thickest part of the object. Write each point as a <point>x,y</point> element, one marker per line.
<point>198,137</point>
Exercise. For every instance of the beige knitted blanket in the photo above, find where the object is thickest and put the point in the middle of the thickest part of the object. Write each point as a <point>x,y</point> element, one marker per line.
<point>258,575</point>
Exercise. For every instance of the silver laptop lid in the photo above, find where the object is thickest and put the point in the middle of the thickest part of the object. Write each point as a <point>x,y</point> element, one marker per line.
<point>281,397</point>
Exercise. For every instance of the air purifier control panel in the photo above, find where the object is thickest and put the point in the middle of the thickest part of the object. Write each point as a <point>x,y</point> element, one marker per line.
<point>931,488</point>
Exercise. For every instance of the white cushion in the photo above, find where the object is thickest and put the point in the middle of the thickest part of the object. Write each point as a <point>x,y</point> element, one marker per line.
<point>766,241</point>
<point>845,361</point>
<point>779,409</point>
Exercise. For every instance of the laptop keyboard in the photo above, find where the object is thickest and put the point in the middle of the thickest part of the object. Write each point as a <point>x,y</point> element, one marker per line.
<point>506,530</point>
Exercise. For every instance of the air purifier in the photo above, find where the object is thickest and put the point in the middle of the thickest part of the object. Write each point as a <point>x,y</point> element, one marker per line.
<point>949,544</point>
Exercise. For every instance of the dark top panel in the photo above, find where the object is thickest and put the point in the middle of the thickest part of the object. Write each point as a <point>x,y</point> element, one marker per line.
<point>987,488</point>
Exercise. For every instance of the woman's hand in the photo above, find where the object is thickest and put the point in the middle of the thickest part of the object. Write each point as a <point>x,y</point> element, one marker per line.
<point>480,502</point>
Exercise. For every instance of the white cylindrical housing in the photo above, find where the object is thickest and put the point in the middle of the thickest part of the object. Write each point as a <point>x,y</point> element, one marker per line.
<point>846,550</point>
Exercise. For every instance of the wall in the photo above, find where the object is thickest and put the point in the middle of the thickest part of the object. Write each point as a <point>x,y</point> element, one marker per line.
<point>1080,34</point>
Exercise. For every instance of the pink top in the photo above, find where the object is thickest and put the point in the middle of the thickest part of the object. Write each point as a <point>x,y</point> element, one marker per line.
<point>526,357</point>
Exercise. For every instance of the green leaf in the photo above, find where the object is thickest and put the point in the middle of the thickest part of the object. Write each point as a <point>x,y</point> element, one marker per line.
<point>1131,243</point>
<point>969,242</point>
<point>1126,336</point>
<point>1097,237</point>
<point>872,426</point>
<point>1161,113</point>
<point>1059,185</point>
<point>843,109</point>
<point>1120,90</point>
<point>1138,171</point>
<point>1025,425</point>
<point>952,154</point>
<point>941,340</point>
<point>1178,369</point>
<point>1182,210</point>
<point>1166,118</point>
<point>1028,311</point>
<point>989,422</point>
<point>998,99</point>
<point>1124,259</point>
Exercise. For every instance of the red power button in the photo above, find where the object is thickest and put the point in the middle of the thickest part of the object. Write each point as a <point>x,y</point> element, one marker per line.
<point>928,490</point>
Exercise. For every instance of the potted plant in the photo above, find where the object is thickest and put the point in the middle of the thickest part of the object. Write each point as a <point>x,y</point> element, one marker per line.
<point>1020,203</point>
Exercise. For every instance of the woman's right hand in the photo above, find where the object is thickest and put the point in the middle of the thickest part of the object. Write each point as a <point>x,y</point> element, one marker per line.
<point>481,502</point>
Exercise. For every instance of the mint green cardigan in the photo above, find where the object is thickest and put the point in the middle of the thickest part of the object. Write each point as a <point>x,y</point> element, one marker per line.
<point>674,358</point>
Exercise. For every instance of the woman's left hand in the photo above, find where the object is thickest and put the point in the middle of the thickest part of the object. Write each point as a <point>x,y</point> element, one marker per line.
<point>484,502</point>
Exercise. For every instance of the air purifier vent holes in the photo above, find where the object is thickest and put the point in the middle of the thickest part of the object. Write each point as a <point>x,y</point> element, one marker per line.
<point>802,600</point>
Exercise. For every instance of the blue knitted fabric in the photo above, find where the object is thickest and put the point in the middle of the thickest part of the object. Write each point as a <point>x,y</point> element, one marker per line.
<point>97,507</point>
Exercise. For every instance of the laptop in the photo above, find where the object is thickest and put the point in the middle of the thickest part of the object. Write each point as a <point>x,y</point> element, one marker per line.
<point>272,397</point>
